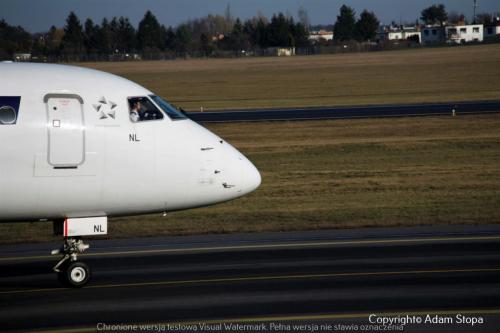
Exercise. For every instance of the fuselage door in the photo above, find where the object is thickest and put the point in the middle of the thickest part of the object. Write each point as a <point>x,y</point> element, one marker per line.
<point>66,130</point>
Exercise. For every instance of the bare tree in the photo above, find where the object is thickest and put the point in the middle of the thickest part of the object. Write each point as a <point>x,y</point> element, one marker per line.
<point>229,19</point>
<point>455,18</point>
<point>484,18</point>
<point>304,17</point>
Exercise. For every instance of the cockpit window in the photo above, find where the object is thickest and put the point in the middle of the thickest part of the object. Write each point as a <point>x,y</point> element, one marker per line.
<point>169,109</point>
<point>142,109</point>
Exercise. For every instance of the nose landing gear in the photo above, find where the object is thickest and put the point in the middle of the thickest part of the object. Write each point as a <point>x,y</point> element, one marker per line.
<point>70,271</point>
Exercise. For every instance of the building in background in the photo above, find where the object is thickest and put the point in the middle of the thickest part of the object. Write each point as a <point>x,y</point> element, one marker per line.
<point>316,36</point>
<point>461,34</point>
<point>453,34</point>
<point>493,29</point>
<point>433,35</point>
<point>397,33</point>
<point>20,57</point>
<point>280,51</point>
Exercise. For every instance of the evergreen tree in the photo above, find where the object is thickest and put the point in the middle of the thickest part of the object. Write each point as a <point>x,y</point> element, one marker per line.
<point>279,31</point>
<point>262,34</point>
<point>127,35</point>
<point>123,34</point>
<point>149,33</point>
<point>13,39</point>
<point>182,39</point>
<point>39,48</point>
<point>435,14</point>
<point>206,45</point>
<point>300,35</point>
<point>114,35</point>
<point>169,38</point>
<point>366,26</point>
<point>343,29</point>
<point>91,37</point>
<point>249,29</point>
<point>73,40</point>
<point>104,37</point>
<point>237,38</point>
<point>54,40</point>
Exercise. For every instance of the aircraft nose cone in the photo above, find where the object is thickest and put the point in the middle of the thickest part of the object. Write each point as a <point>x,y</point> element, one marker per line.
<point>251,178</point>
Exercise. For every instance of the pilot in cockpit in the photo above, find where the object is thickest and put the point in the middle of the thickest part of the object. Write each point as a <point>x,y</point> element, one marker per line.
<point>142,109</point>
<point>135,111</point>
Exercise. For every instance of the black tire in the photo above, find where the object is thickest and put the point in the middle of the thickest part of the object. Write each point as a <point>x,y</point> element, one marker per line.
<point>76,275</point>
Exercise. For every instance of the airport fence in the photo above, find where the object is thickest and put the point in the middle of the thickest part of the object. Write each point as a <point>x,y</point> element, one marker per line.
<point>348,47</point>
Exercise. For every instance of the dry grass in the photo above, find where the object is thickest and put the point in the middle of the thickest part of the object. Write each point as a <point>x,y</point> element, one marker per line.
<point>344,173</point>
<point>410,76</point>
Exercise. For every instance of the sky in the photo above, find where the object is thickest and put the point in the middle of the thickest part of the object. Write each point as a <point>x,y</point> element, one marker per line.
<point>40,15</point>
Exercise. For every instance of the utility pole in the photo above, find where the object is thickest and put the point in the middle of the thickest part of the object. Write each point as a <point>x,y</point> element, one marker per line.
<point>475,7</point>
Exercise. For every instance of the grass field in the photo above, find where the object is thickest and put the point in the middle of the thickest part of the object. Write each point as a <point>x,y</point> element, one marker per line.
<point>410,76</point>
<point>343,173</point>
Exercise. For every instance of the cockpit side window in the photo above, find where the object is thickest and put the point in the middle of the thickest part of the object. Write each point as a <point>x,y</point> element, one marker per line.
<point>142,109</point>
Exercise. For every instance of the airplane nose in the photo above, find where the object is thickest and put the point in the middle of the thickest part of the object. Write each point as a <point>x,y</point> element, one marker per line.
<point>251,178</point>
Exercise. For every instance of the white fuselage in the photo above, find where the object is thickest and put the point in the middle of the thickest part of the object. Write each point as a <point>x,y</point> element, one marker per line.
<point>73,151</point>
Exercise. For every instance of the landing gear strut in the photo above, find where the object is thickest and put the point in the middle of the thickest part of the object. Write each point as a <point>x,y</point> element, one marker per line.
<point>70,271</point>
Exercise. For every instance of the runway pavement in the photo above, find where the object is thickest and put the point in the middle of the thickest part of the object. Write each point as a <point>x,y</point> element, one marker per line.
<point>336,277</point>
<point>348,112</point>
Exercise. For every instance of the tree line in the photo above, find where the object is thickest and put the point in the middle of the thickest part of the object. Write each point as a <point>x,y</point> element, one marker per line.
<point>118,37</point>
<point>437,15</point>
<point>211,35</point>
<point>208,36</point>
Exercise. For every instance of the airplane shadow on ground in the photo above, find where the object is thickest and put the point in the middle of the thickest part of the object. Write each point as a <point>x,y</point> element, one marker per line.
<point>23,269</point>
<point>14,276</point>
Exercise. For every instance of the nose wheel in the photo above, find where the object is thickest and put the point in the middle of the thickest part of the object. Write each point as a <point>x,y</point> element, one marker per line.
<point>70,271</point>
<point>76,274</point>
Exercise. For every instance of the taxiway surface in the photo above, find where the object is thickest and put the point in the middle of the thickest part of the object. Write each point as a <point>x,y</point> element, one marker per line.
<point>333,276</point>
<point>349,112</point>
